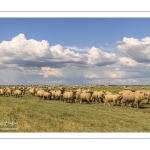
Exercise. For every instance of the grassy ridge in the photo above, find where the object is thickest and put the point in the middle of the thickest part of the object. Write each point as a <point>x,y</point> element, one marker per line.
<point>34,115</point>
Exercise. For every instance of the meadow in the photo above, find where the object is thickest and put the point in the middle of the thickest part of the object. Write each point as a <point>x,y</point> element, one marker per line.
<point>30,114</point>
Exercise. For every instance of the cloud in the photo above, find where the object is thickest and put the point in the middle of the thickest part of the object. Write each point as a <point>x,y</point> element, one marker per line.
<point>19,46</point>
<point>66,57</point>
<point>28,53</point>
<point>99,58</point>
<point>127,61</point>
<point>77,49</point>
<point>28,61</point>
<point>25,58</point>
<point>136,49</point>
<point>47,71</point>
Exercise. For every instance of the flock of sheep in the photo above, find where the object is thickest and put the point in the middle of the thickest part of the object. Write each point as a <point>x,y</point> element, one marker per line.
<point>125,97</point>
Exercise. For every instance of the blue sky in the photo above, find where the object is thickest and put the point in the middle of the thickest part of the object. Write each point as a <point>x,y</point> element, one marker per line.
<point>83,32</point>
<point>74,50</point>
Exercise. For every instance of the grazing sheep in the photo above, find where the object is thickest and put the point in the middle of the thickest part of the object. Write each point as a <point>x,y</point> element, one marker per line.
<point>127,88</point>
<point>148,93</point>
<point>86,97</point>
<point>2,92</point>
<point>62,88</point>
<point>40,93</point>
<point>46,95</point>
<point>107,92</point>
<point>94,96</point>
<point>50,88</point>
<point>36,89</point>
<point>13,87</point>
<point>18,93</point>
<point>127,97</point>
<point>53,94</point>
<point>133,97</point>
<point>86,90</point>
<point>98,96</point>
<point>32,91</point>
<point>59,94</point>
<point>69,96</point>
<point>101,96</point>
<point>23,91</point>
<point>77,96</point>
<point>112,98</point>
<point>9,92</point>
<point>139,96</point>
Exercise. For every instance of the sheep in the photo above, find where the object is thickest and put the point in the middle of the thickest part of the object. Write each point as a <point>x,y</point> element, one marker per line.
<point>13,87</point>
<point>32,91</point>
<point>107,92</point>
<point>139,96</point>
<point>46,95</point>
<point>77,95</point>
<point>101,96</point>
<point>28,88</point>
<point>127,97</point>
<point>18,93</point>
<point>52,94</point>
<point>148,93</point>
<point>2,92</point>
<point>9,91</point>
<point>127,88</point>
<point>50,88</point>
<point>94,96</point>
<point>6,88</point>
<point>36,89</point>
<point>59,94</point>
<point>80,89</point>
<point>86,90</point>
<point>85,96</point>
<point>23,90</point>
<point>133,97</point>
<point>98,96</point>
<point>40,93</point>
<point>112,98</point>
<point>68,96</point>
<point>62,88</point>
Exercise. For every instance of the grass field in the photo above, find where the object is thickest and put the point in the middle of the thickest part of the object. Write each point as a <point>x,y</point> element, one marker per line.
<point>29,114</point>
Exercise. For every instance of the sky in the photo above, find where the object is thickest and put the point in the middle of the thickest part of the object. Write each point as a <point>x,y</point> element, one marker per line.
<point>74,51</point>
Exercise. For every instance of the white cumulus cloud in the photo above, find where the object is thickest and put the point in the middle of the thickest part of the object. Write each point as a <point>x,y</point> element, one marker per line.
<point>25,60</point>
<point>139,50</point>
<point>47,71</point>
<point>97,57</point>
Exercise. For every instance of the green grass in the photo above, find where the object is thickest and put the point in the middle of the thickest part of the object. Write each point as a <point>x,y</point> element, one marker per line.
<point>34,115</point>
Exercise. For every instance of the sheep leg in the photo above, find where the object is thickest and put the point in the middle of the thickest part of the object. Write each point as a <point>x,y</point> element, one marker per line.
<point>148,101</point>
<point>102,100</point>
<point>80,101</point>
<point>115,103</point>
<point>138,103</point>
